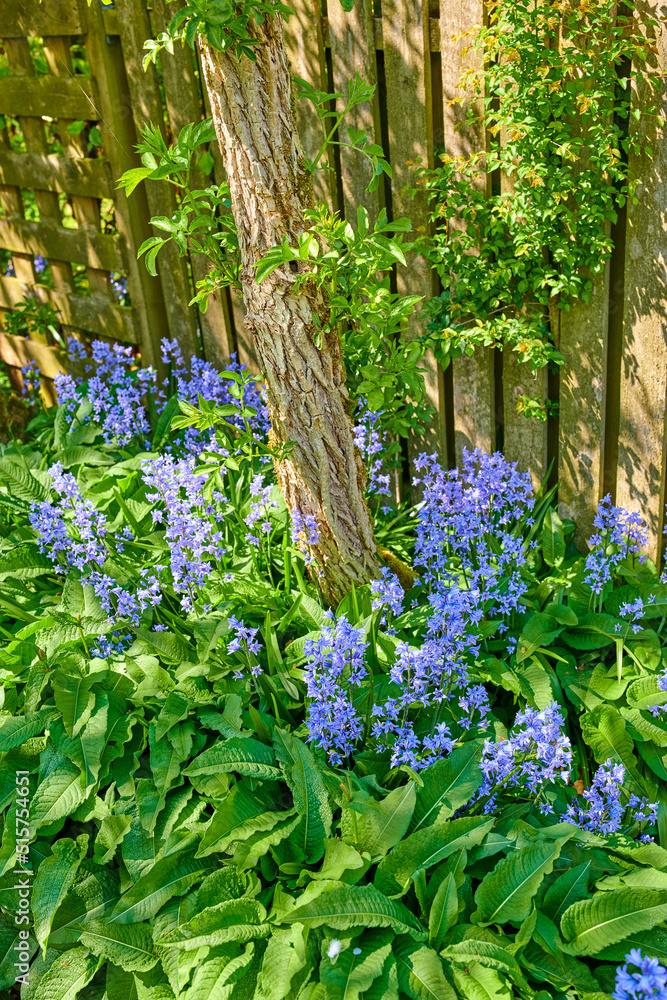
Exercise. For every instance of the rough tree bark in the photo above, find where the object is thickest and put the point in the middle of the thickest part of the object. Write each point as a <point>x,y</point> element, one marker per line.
<point>270,189</point>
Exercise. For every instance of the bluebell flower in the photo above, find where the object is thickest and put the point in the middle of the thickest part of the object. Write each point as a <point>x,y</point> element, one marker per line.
<point>619,535</point>
<point>647,982</point>
<point>387,594</point>
<point>604,811</point>
<point>369,440</point>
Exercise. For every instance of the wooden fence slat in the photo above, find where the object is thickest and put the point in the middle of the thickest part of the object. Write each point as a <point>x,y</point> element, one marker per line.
<point>184,105</point>
<point>54,241</point>
<point>583,343</point>
<point>50,172</point>
<point>407,66</point>
<point>74,98</point>
<point>93,313</point>
<point>21,18</point>
<point>105,57</point>
<point>353,52</point>
<point>305,48</point>
<point>473,377</point>
<point>643,410</point>
<point>525,438</point>
<point>144,90</point>
<point>20,351</point>
<point>378,41</point>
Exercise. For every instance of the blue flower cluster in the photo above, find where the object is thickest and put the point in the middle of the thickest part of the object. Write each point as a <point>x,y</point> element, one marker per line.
<point>467,534</point>
<point>536,754</point>
<point>604,812</point>
<point>369,441</point>
<point>258,517</point>
<point>244,641</point>
<point>114,388</point>
<point>335,667</point>
<point>195,543</point>
<point>619,535</point>
<point>305,533</point>
<point>388,595</point>
<point>75,535</point>
<point>649,982</point>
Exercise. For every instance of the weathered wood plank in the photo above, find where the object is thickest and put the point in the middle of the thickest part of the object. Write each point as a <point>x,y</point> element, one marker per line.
<point>64,96</point>
<point>56,17</point>
<point>93,313</point>
<point>353,52</point>
<point>144,90</point>
<point>525,437</point>
<point>408,76</point>
<point>184,104</point>
<point>643,410</point>
<point>49,172</point>
<point>378,41</point>
<point>473,377</point>
<point>19,351</point>
<point>582,399</point>
<point>305,47</point>
<point>118,133</point>
<point>77,246</point>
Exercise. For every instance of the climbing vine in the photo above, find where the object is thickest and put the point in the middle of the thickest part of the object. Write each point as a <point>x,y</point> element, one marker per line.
<point>553,90</point>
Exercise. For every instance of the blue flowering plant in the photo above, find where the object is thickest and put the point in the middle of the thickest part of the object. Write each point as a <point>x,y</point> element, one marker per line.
<point>450,785</point>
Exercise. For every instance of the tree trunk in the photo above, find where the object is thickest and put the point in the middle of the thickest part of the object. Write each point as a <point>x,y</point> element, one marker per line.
<point>270,191</point>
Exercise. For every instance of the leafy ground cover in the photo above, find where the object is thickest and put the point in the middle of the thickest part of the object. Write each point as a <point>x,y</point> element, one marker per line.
<point>451,785</point>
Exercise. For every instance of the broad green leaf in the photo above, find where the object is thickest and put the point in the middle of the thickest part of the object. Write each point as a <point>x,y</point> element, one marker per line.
<point>652,942</point>
<point>111,833</point>
<point>70,973</point>
<point>127,945</point>
<point>165,763</point>
<point>385,987</point>
<point>593,924</point>
<point>605,732</point>
<point>539,630</point>
<point>425,848</point>
<point>9,937</point>
<point>594,631</point>
<point>74,699</point>
<point>553,538</point>
<point>357,966</point>
<point>480,983</point>
<point>215,977</point>
<point>245,756</point>
<point>562,971</point>
<point>168,877</point>
<point>248,851</point>
<point>311,799</point>
<point>382,824</point>
<point>448,785</point>
<point>650,727</point>
<point>57,796</point>
<point>570,887</point>
<point>54,877</point>
<point>283,958</point>
<point>175,708</point>
<point>85,749</point>
<point>241,812</point>
<point>17,730</point>
<point>507,892</point>
<point>24,563</point>
<point>231,920</point>
<point>491,955</point>
<point>420,972</point>
<point>444,912</point>
<point>342,863</point>
<point>357,906</point>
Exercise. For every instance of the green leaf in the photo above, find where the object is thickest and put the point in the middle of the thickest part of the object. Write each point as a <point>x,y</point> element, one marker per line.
<point>352,974</point>
<point>311,799</point>
<point>507,892</point>
<point>71,971</point>
<point>594,631</point>
<point>230,920</point>
<point>54,877</point>
<point>553,538</point>
<point>382,824</point>
<point>24,563</point>
<point>448,785</point>
<point>444,912</point>
<point>605,732</point>
<point>74,699</point>
<point>241,812</point>
<point>424,848</point>
<point>539,630</point>
<point>243,755</point>
<point>57,796</point>
<point>17,730</point>
<point>22,483</point>
<point>570,887</point>
<point>215,977</point>
<point>283,958</point>
<point>488,954</point>
<point>593,924</point>
<point>357,906</point>
<point>171,876</point>
<point>420,972</point>
<point>111,833</point>
<point>127,945</point>
<point>248,851</point>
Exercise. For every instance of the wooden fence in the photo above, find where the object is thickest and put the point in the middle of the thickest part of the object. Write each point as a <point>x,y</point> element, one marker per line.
<point>609,435</point>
